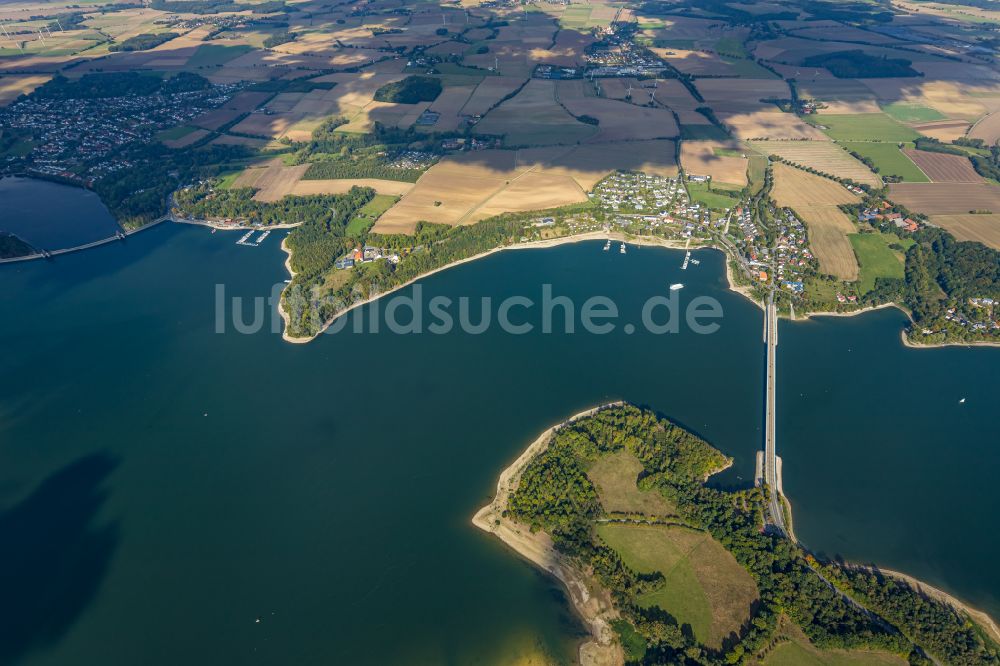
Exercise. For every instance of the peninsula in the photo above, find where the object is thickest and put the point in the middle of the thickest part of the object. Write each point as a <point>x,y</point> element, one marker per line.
<point>664,569</point>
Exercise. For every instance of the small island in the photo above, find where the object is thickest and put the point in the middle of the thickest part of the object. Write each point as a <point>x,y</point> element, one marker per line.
<point>663,569</point>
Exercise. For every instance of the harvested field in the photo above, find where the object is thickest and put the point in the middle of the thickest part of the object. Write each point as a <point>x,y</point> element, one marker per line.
<point>943,168</point>
<point>953,99</point>
<point>186,140</point>
<point>710,158</point>
<point>815,200</point>
<point>944,130</point>
<point>987,128</point>
<point>268,127</point>
<point>216,118</point>
<point>273,181</point>
<point>465,188</point>
<point>11,87</point>
<point>946,198</point>
<point>621,121</point>
<point>824,156</point>
<point>342,185</point>
<point>768,124</point>
<point>984,229</point>
<point>741,95</point>
<point>448,104</point>
<point>533,117</point>
<point>587,164</point>
<point>704,587</point>
<point>489,92</point>
<point>530,191</point>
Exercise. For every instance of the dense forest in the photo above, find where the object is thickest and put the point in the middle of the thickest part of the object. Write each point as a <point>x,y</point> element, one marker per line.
<point>143,42</point>
<point>12,246</point>
<point>411,90</point>
<point>860,65</point>
<point>556,495</point>
<point>119,84</point>
<point>334,154</point>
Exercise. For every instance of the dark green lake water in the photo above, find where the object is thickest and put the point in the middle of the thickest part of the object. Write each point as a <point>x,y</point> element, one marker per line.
<point>163,485</point>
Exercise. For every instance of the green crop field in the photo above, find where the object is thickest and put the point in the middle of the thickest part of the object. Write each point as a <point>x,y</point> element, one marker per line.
<point>912,113</point>
<point>863,127</point>
<point>889,159</point>
<point>876,258</point>
<point>210,55</point>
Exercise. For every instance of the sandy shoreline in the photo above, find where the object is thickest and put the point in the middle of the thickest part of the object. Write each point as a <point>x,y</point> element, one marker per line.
<point>530,245</point>
<point>649,241</point>
<point>596,612</point>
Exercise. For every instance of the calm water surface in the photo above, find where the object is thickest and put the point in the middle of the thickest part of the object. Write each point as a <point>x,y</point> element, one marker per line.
<point>51,216</point>
<point>162,485</point>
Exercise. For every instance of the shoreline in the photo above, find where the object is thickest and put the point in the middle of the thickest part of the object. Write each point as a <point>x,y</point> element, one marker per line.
<point>647,241</point>
<point>651,241</point>
<point>601,649</point>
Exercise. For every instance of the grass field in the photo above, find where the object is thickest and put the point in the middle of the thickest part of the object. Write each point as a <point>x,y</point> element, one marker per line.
<point>175,133</point>
<point>367,214</point>
<point>704,586</point>
<point>798,651</point>
<point>864,127</point>
<point>911,113</point>
<point>615,477</point>
<point>713,198</point>
<point>889,160</point>
<point>211,55</point>
<point>876,258</point>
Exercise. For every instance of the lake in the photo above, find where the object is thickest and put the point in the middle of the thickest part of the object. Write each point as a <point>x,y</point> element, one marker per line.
<point>164,486</point>
<point>52,216</point>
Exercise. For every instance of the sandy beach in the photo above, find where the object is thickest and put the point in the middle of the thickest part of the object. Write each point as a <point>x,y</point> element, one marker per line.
<point>592,605</point>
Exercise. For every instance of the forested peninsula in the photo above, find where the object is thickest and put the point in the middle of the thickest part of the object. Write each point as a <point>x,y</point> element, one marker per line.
<point>664,569</point>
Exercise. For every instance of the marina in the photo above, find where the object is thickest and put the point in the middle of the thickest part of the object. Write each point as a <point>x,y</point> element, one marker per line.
<point>245,239</point>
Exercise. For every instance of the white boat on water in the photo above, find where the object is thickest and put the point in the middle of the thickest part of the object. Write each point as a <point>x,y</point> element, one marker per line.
<point>675,286</point>
<point>607,246</point>
<point>622,249</point>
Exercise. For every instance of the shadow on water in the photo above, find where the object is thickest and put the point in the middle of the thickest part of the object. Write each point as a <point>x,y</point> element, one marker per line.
<point>53,557</point>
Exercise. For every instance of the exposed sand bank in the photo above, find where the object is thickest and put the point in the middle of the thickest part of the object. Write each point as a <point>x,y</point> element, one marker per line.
<point>593,606</point>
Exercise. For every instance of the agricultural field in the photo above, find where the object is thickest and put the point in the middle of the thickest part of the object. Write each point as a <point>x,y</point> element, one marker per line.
<point>534,117</point>
<point>864,127</point>
<point>983,229</point>
<point>272,180</point>
<point>888,159</point>
<point>713,196</point>
<point>725,162</point>
<point>705,587</point>
<point>877,259</point>
<point>944,168</point>
<point>905,112</point>
<point>11,87</point>
<point>815,200</point>
<point>987,129</point>
<point>947,198</point>
<point>824,156</point>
